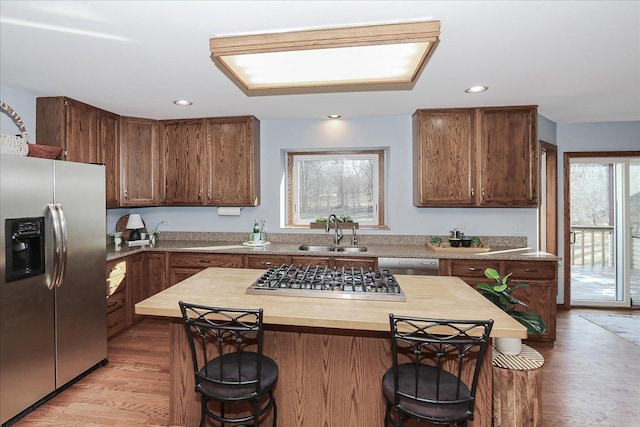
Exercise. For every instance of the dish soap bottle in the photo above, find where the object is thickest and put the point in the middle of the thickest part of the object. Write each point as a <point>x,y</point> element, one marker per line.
<point>256,232</point>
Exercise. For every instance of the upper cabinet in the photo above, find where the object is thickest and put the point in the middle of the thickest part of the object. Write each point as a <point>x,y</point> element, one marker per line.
<point>475,157</point>
<point>183,149</point>
<point>213,161</point>
<point>87,134</point>
<point>140,162</point>
<point>109,154</point>
<point>233,161</point>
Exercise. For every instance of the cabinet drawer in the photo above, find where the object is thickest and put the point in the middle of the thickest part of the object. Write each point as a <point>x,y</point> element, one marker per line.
<point>116,322</point>
<point>472,268</point>
<point>205,260</point>
<point>531,270</point>
<point>116,268</point>
<point>265,261</point>
<point>116,301</point>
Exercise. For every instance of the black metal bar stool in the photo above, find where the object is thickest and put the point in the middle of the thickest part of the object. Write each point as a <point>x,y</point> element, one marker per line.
<point>429,358</point>
<point>226,346</point>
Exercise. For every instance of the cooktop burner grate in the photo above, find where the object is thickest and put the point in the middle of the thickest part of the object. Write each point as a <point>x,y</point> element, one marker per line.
<point>324,282</point>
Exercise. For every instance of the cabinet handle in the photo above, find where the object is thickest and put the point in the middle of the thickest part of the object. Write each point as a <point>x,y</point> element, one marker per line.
<point>483,192</point>
<point>472,269</point>
<point>530,270</point>
<point>204,261</point>
<point>473,192</point>
<point>111,304</point>
<point>265,263</point>
<point>200,194</point>
<point>113,325</point>
<point>126,195</point>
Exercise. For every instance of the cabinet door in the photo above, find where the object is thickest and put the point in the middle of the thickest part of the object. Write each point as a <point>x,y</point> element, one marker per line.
<point>140,162</point>
<point>444,160</point>
<point>183,145</point>
<point>135,283</point>
<point>108,143</point>
<point>508,156</point>
<point>155,267</point>
<point>232,170</point>
<point>81,145</point>
<point>70,124</point>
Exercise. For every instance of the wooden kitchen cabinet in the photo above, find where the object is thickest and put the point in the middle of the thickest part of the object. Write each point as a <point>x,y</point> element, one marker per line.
<point>264,262</point>
<point>183,146</point>
<point>140,162</point>
<point>86,134</point>
<point>116,297</point>
<point>109,151</point>
<point>146,278</point>
<point>475,157</point>
<point>183,265</point>
<point>213,161</point>
<point>540,295</point>
<point>444,161</point>
<point>232,165</point>
<point>508,156</point>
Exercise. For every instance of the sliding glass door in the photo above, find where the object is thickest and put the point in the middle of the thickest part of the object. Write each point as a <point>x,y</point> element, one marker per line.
<point>605,231</point>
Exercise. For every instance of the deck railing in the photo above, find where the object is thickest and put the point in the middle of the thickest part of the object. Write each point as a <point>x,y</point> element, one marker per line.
<point>592,246</point>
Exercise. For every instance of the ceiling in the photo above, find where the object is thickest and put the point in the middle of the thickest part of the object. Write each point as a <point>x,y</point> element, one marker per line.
<point>579,61</point>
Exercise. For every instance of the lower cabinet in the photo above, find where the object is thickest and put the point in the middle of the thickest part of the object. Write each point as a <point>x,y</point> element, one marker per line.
<point>540,295</point>
<point>146,278</point>
<point>183,265</point>
<point>116,297</point>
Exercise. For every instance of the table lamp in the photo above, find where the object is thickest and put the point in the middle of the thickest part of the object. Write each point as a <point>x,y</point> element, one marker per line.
<point>134,224</point>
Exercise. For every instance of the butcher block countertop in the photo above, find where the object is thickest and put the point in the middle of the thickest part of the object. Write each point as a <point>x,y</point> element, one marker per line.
<point>426,296</point>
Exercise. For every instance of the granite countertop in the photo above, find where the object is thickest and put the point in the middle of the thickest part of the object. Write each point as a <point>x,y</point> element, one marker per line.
<point>290,248</point>
<point>227,286</point>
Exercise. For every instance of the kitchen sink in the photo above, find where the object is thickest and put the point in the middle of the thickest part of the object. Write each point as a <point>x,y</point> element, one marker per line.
<point>328,248</point>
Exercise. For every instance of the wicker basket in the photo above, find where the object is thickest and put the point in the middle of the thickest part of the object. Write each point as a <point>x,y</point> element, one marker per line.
<point>16,145</point>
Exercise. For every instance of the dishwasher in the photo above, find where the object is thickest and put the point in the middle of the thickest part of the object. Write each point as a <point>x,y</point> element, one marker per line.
<point>415,266</point>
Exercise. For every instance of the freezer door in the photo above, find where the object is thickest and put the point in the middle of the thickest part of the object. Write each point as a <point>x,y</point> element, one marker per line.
<point>27,346</point>
<point>81,317</point>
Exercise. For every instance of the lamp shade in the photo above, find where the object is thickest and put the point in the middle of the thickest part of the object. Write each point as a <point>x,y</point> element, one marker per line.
<point>135,222</point>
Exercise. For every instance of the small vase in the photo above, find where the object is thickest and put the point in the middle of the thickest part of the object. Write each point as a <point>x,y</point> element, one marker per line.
<point>509,346</point>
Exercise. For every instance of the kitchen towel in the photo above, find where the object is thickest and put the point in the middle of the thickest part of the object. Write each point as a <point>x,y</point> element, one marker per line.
<point>229,211</point>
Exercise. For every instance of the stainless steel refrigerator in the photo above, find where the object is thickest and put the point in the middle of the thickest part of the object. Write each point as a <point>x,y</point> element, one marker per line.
<point>52,289</point>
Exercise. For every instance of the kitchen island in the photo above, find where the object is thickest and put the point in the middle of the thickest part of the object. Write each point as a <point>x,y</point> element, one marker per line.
<point>332,353</point>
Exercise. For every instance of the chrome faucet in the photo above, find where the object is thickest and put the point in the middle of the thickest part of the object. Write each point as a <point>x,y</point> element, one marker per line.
<point>354,238</point>
<point>337,228</point>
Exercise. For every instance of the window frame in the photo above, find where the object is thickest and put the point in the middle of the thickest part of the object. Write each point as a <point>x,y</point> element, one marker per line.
<point>379,203</point>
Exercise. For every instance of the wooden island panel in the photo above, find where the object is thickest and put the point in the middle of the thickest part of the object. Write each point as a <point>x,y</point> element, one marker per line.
<point>331,353</point>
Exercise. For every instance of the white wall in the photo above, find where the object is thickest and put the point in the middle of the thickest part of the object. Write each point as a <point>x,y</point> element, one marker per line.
<point>23,103</point>
<point>580,137</point>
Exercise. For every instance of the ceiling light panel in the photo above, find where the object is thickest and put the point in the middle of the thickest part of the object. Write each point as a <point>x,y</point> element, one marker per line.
<point>379,54</point>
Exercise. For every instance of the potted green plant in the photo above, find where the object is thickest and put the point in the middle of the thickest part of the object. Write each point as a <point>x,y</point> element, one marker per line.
<point>435,241</point>
<point>500,293</point>
<point>475,241</point>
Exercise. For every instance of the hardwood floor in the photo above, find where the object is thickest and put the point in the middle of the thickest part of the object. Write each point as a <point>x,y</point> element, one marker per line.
<point>590,378</point>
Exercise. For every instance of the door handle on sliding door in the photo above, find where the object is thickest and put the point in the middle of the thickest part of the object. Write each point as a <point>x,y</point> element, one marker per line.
<point>572,237</point>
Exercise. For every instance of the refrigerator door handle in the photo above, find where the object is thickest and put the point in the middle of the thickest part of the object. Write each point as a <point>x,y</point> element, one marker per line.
<point>59,246</point>
<point>64,237</point>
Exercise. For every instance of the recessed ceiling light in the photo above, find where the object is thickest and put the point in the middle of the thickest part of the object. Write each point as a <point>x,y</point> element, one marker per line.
<point>182,102</point>
<point>388,54</point>
<point>476,89</point>
<point>334,116</point>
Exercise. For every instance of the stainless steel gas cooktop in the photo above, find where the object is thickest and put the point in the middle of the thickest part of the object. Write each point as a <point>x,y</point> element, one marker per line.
<point>324,282</point>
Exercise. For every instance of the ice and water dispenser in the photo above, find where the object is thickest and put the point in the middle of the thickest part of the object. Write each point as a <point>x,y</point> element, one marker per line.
<point>25,247</point>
